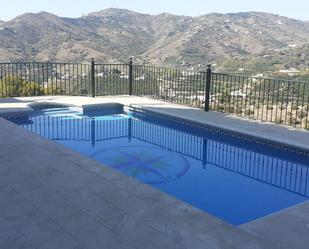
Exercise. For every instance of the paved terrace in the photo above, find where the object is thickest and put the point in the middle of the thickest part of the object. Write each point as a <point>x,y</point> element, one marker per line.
<point>52,197</point>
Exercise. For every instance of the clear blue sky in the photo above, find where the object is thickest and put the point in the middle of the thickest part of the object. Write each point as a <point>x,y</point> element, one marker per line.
<point>298,9</point>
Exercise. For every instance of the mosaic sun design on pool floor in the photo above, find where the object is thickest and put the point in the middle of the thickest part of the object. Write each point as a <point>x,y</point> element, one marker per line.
<point>150,164</point>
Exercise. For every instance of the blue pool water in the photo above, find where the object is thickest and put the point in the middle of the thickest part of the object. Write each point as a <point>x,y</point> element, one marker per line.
<point>231,178</point>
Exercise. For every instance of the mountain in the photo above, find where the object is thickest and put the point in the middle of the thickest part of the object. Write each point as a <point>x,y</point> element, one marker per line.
<point>229,41</point>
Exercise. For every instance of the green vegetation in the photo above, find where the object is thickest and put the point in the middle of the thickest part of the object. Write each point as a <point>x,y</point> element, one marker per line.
<point>14,86</point>
<point>251,66</point>
<point>171,60</point>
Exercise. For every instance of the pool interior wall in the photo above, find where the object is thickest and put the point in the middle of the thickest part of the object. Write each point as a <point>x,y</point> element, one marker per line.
<point>233,179</point>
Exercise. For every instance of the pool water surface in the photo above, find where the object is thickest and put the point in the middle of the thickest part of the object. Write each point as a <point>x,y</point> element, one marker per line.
<point>233,179</point>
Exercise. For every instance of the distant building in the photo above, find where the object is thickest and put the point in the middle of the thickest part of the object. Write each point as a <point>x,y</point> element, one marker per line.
<point>290,72</point>
<point>124,76</point>
<point>140,77</point>
<point>238,93</point>
<point>259,75</point>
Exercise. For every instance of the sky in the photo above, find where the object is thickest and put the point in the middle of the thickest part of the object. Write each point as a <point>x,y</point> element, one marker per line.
<point>297,9</point>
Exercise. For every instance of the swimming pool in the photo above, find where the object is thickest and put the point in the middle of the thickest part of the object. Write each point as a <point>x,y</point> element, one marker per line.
<point>233,178</point>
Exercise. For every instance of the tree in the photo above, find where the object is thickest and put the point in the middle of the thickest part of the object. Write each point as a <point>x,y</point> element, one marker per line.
<point>14,86</point>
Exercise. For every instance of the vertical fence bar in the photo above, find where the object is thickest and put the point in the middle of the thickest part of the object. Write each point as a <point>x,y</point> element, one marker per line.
<point>207,92</point>
<point>92,78</point>
<point>130,76</point>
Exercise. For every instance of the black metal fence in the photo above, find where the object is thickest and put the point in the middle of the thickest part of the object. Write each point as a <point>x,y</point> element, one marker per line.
<point>184,87</point>
<point>274,100</point>
<point>37,78</point>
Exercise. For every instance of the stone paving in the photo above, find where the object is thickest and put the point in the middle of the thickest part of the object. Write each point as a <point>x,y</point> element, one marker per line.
<point>52,197</point>
<point>289,227</point>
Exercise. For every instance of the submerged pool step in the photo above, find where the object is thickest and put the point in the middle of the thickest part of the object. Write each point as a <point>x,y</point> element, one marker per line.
<point>61,111</point>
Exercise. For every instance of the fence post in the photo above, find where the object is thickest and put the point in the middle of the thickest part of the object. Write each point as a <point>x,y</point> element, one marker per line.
<point>92,78</point>
<point>207,92</point>
<point>130,76</point>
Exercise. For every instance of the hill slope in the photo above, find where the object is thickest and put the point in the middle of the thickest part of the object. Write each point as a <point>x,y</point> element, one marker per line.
<point>116,34</point>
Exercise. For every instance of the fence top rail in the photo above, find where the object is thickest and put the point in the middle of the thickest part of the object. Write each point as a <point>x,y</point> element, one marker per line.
<point>170,68</point>
<point>62,63</point>
<point>45,62</point>
<point>111,64</point>
<point>260,78</point>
